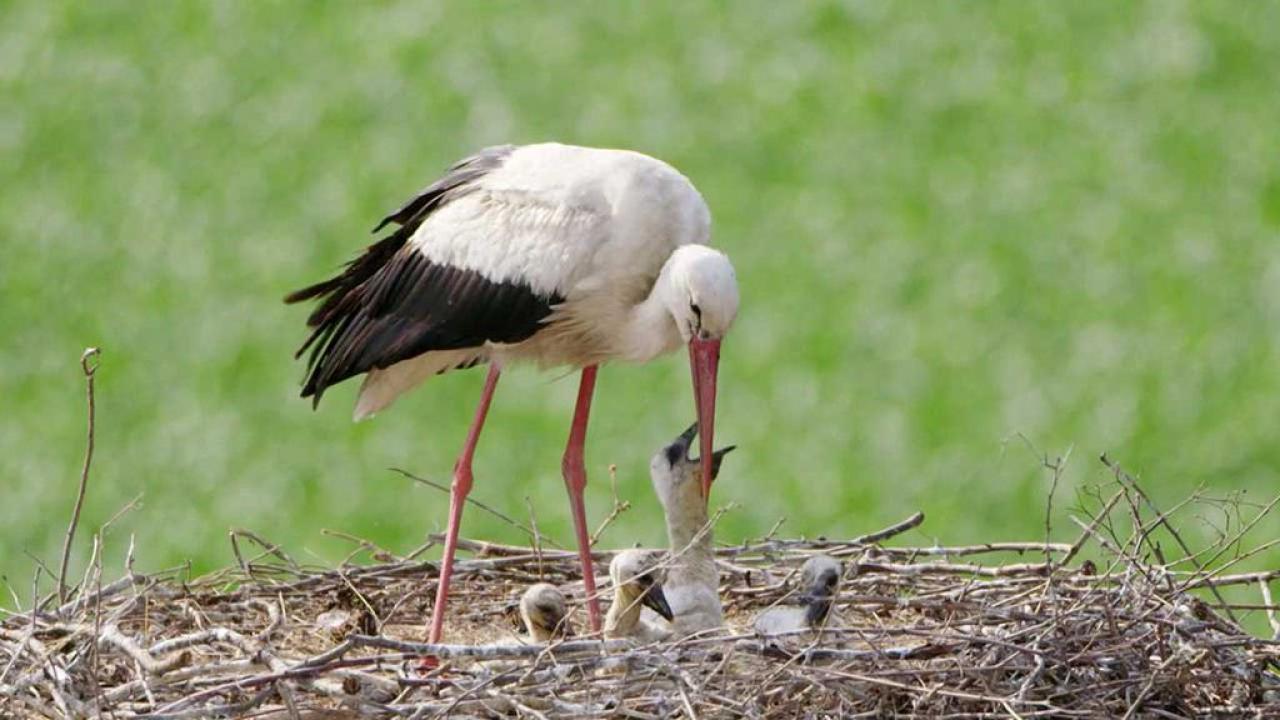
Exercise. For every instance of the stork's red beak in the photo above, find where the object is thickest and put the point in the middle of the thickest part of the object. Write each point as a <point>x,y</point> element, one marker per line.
<point>704,358</point>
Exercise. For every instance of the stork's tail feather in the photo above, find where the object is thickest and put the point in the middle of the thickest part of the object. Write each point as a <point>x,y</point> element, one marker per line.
<point>320,288</point>
<point>352,302</point>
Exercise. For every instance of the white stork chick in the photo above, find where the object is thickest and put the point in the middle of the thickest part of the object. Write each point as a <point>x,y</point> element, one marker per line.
<point>693,584</point>
<point>549,253</point>
<point>544,612</point>
<point>637,577</point>
<point>819,584</point>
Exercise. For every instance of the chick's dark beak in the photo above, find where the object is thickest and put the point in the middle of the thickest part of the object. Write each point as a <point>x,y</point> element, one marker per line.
<point>717,457</point>
<point>656,600</point>
<point>685,439</point>
<point>679,448</point>
<point>818,598</point>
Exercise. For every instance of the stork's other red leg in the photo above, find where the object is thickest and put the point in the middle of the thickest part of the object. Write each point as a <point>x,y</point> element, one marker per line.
<point>575,479</point>
<point>457,498</point>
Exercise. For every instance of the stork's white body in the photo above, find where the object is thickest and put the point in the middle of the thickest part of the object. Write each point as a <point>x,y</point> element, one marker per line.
<point>592,226</point>
<point>551,253</point>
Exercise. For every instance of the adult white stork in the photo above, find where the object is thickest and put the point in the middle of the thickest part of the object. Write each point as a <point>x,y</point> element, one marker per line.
<point>552,253</point>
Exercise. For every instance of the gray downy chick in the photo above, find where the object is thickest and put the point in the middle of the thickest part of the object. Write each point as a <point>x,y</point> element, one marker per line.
<point>819,585</point>
<point>545,613</point>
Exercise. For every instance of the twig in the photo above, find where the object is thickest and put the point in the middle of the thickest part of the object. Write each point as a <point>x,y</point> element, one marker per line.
<point>378,552</point>
<point>268,548</point>
<point>895,529</point>
<point>537,539</point>
<point>89,366</point>
<point>31,628</point>
<point>1091,528</point>
<point>1132,482</point>
<point>618,508</point>
<point>496,513</point>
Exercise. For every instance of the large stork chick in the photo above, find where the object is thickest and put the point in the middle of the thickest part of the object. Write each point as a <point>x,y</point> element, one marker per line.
<point>693,584</point>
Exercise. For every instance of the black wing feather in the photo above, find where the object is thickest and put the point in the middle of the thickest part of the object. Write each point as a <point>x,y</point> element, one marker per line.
<point>457,177</point>
<point>413,306</point>
<point>391,303</point>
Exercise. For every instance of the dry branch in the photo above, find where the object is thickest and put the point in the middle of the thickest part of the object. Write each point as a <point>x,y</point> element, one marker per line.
<point>89,366</point>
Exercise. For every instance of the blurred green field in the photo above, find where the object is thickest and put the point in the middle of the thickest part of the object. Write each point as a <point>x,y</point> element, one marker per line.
<point>953,224</point>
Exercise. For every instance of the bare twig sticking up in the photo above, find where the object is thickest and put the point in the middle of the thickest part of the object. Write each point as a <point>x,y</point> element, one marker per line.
<point>619,507</point>
<point>89,365</point>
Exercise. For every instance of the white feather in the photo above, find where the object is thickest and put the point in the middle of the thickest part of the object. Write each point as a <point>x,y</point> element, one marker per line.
<point>382,387</point>
<point>557,217</point>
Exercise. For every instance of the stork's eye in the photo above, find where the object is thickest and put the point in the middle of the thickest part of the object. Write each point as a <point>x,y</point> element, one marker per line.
<point>697,311</point>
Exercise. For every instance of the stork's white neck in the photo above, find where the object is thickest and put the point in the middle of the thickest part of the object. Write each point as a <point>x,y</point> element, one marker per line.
<point>696,294</point>
<point>650,330</point>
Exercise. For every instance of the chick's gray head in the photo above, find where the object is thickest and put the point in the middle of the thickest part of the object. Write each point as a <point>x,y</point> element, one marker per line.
<point>545,612</point>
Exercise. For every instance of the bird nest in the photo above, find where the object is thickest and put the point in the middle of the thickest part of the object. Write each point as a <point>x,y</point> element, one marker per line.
<point>917,631</point>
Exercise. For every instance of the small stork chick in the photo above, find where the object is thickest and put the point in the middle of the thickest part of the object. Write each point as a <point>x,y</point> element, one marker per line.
<point>819,585</point>
<point>693,584</point>
<point>543,609</point>
<point>637,583</point>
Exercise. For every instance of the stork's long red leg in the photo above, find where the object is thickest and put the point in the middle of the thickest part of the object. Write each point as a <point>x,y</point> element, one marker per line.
<point>457,498</point>
<point>575,479</point>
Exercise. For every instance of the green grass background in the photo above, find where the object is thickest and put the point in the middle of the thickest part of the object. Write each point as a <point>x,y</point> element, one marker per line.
<point>952,223</point>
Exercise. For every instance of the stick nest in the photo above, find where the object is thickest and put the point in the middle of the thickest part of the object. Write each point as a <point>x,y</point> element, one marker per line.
<point>929,631</point>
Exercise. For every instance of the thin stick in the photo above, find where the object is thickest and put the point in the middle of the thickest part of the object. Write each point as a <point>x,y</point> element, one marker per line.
<point>1091,528</point>
<point>31,629</point>
<point>496,513</point>
<point>1126,478</point>
<point>895,529</point>
<point>1271,610</point>
<point>537,539</point>
<point>88,365</point>
<point>619,506</point>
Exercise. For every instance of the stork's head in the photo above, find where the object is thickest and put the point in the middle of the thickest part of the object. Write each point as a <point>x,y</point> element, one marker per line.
<point>542,607</point>
<point>703,301</point>
<point>677,478</point>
